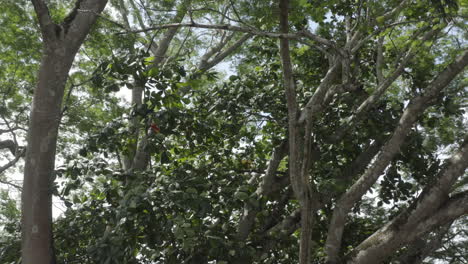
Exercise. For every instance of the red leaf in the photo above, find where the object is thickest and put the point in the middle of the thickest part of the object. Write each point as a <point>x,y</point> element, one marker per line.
<point>155,128</point>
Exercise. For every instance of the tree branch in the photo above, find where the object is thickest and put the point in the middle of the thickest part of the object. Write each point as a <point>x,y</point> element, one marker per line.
<point>19,188</point>
<point>12,162</point>
<point>266,187</point>
<point>213,50</point>
<point>395,11</point>
<point>45,21</point>
<point>316,104</point>
<point>79,23</point>
<point>415,108</point>
<point>9,130</point>
<point>270,184</point>
<point>228,27</point>
<point>380,61</point>
<point>8,144</point>
<point>390,15</point>
<point>142,157</point>
<point>299,181</point>
<point>373,98</point>
<point>206,64</point>
<point>163,45</point>
<point>422,247</point>
<point>152,46</point>
<point>124,12</point>
<point>361,162</point>
<point>319,40</point>
<point>391,237</point>
<point>431,209</point>
<point>449,211</point>
<point>435,194</point>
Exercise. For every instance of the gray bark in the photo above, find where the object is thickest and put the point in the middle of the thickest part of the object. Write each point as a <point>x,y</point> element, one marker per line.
<point>270,184</point>
<point>61,43</point>
<point>316,104</point>
<point>422,247</point>
<point>298,174</point>
<point>415,108</point>
<point>433,208</point>
<point>380,61</point>
<point>139,157</point>
<point>379,91</point>
<point>208,62</point>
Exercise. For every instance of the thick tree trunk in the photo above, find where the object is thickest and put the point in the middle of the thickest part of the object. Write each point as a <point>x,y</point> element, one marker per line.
<point>61,43</point>
<point>40,157</point>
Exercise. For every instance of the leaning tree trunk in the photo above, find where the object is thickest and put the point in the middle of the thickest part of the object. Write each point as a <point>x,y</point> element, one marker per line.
<point>61,43</point>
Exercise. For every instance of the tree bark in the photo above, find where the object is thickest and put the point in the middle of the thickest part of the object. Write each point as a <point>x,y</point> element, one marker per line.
<point>433,208</point>
<point>139,158</point>
<point>298,170</point>
<point>61,43</point>
<point>414,109</point>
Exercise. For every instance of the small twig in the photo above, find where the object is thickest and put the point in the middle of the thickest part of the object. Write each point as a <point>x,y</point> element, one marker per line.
<point>13,161</point>
<point>11,184</point>
<point>102,16</point>
<point>12,133</point>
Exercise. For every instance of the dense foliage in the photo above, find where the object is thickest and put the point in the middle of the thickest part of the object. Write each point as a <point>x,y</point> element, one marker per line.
<point>211,121</point>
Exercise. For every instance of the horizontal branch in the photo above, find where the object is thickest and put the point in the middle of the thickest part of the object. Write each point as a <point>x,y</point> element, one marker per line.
<point>10,130</point>
<point>8,144</point>
<point>295,35</point>
<point>215,26</point>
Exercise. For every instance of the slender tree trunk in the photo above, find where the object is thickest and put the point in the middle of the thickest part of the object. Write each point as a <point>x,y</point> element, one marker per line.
<point>298,169</point>
<point>61,43</point>
<point>139,158</point>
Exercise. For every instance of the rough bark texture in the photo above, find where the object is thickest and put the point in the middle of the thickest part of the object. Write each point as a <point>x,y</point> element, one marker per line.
<point>61,43</point>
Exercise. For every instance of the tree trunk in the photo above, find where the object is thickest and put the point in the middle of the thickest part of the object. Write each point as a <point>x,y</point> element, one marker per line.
<point>40,158</point>
<point>61,43</point>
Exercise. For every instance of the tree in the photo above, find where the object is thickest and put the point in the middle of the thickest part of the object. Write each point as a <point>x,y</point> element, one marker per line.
<point>60,45</point>
<point>363,161</point>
